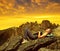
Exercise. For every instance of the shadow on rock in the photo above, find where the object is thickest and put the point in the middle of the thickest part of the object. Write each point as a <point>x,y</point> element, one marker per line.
<point>44,44</point>
<point>36,44</point>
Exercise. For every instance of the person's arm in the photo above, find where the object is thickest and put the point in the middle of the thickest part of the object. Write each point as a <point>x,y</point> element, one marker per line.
<point>47,31</point>
<point>39,34</point>
<point>43,35</point>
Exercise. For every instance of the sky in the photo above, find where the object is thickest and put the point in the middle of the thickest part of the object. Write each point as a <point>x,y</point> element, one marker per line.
<point>14,7</point>
<point>16,12</point>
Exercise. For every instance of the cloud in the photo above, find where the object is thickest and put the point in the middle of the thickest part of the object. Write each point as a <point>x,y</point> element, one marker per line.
<point>56,1</point>
<point>29,6</point>
<point>19,2</point>
<point>23,2</point>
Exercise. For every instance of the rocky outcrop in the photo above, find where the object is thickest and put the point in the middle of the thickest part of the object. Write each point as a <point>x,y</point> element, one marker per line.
<point>11,44</point>
<point>35,45</point>
<point>11,39</point>
<point>14,42</point>
<point>47,24</point>
<point>57,31</point>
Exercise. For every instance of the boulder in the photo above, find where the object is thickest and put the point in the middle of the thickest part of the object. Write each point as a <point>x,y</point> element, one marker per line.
<point>11,43</point>
<point>45,49</point>
<point>55,45</point>
<point>14,43</point>
<point>57,31</point>
<point>34,45</point>
<point>9,39</point>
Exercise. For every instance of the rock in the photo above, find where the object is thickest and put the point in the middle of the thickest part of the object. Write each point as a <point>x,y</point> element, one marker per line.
<point>45,49</point>
<point>55,45</point>
<point>4,36</point>
<point>9,39</point>
<point>14,43</point>
<point>36,44</point>
<point>44,42</point>
<point>57,31</point>
<point>2,47</point>
<point>47,24</point>
<point>11,43</point>
<point>26,46</point>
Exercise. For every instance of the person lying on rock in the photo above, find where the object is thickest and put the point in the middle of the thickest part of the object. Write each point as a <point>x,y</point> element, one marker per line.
<point>34,36</point>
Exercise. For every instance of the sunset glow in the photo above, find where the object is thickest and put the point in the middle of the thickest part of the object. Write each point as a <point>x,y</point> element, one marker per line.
<point>17,12</point>
<point>13,21</point>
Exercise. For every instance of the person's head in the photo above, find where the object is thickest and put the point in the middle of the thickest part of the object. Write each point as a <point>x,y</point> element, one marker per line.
<point>48,30</point>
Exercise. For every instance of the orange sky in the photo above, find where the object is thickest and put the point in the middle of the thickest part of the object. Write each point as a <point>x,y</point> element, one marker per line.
<point>14,7</point>
<point>6,22</point>
<point>16,12</point>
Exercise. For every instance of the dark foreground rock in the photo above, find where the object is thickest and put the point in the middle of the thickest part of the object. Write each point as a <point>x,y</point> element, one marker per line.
<point>9,39</point>
<point>14,43</point>
<point>11,44</point>
<point>35,45</point>
<point>45,49</point>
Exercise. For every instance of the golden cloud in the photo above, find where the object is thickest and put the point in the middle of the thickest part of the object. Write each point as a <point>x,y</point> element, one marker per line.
<point>9,7</point>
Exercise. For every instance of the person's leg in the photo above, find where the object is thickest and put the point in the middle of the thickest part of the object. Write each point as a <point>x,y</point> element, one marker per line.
<point>29,34</point>
<point>26,34</point>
